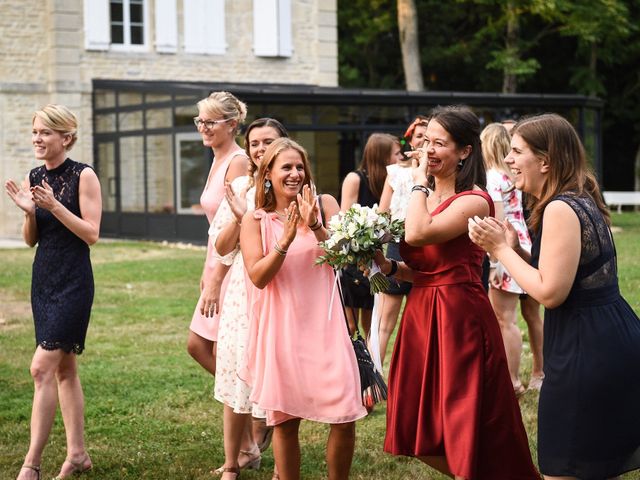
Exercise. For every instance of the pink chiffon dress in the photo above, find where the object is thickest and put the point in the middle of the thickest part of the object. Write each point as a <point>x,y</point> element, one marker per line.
<point>210,200</point>
<point>299,360</point>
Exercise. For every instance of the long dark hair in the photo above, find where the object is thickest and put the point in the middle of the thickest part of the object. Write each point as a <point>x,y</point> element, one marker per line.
<point>375,159</point>
<point>464,127</point>
<point>552,138</point>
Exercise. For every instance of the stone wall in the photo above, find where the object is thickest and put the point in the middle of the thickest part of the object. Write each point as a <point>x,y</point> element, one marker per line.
<point>43,60</point>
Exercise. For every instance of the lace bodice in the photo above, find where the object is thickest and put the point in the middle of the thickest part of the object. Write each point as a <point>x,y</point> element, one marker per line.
<point>62,279</point>
<point>597,267</point>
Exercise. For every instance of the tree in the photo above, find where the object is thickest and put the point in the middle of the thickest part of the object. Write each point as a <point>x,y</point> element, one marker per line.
<point>408,29</point>
<point>601,28</point>
<point>541,46</point>
<point>368,44</point>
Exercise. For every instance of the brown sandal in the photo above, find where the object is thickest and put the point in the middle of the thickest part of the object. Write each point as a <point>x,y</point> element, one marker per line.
<point>35,468</point>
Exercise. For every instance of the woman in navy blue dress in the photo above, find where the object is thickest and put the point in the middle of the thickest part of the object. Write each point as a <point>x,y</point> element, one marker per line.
<point>62,206</point>
<point>588,421</point>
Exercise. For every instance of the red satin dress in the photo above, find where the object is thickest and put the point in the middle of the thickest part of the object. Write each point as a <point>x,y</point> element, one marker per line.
<point>450,393</point>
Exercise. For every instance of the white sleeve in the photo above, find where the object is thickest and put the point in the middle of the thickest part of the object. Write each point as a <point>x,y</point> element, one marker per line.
<point>224,216</point>
<point>494,187</point>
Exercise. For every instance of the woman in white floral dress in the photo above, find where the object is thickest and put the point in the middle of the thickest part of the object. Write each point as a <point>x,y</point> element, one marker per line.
<point>504,292</point>
<point>395,199</point>
<point>242,450</point>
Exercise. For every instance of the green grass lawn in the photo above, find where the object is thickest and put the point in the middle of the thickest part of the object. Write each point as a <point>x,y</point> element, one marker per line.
<point>150,412</point>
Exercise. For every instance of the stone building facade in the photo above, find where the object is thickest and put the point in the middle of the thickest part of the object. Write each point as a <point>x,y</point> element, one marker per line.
<point>51,51</point>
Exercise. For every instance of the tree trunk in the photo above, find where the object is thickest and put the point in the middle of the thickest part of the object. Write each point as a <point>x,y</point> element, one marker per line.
<point>593,67</point>
<point>408,28</point>
<point>510,79</point>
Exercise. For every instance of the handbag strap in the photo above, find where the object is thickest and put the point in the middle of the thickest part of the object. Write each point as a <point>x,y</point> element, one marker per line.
<point>322,215</point>
<point>344,311</point>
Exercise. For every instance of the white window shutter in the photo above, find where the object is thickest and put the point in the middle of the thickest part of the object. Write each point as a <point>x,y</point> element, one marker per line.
<point>284,28</point>
<point>166,26</point>
<point>204,26</point>
<point>97,26</point>
<point>272,28</point>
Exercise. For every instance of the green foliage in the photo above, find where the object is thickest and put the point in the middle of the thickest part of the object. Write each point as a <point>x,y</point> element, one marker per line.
<point>368,45</point>
<point>509,61</point>
<point>562,46</point>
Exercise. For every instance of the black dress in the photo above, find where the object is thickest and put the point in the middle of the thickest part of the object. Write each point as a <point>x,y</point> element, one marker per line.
<point>62,278</point>
<point>588,419</point>
<point>355,286</point>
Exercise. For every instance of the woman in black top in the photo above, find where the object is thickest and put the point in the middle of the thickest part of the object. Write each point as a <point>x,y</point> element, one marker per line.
<point>364,186</point>
<point>62,205</point>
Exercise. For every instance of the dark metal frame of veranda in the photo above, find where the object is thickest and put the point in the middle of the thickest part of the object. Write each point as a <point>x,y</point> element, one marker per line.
<point>152,165</point>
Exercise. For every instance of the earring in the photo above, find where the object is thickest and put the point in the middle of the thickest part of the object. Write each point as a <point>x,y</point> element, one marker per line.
<point>460,163</point>
<point>267,186</point>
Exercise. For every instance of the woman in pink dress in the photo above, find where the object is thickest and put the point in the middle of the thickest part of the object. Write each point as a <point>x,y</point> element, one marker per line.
<point>242,446</point>
<point>300,363</point>
<point>219,116</point>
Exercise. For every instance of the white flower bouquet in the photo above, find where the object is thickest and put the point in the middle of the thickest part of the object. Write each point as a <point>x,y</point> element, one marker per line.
<point>355,236</point>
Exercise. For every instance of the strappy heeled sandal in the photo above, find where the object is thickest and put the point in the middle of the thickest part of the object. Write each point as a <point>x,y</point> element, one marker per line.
<point>35,468</point>
<point>78,468</point>
<point>222,470</point>
<point>254,459</point>
<point>266,439</point>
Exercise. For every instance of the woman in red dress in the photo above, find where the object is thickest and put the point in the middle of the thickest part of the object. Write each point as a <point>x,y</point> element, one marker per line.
<point>451,404</point>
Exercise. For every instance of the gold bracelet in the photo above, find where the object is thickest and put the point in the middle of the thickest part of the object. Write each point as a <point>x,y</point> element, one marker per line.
<point>279,250</point>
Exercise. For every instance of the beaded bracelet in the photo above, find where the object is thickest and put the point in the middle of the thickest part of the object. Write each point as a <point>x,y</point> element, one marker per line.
<point>279,250</point>
<point>420,188</point>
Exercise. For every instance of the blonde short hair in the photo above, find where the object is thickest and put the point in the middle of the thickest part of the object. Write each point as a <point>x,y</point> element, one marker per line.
<point>59,119</point>
<point>225,105</point>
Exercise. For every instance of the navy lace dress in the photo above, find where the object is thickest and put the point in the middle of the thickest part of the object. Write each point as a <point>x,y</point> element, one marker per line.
<point>589,411</point>
<point>62,278</point>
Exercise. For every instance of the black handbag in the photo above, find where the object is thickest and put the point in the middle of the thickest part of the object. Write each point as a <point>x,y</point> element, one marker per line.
<point>355,281</point>
<point>374,389</point>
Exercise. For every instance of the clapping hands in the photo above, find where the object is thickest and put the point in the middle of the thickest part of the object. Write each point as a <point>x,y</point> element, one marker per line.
<point>237,203</point>
<point>43,196</point>
<point>292,217</point>
<point>21,195</point>
<point>491,234</point>
<point>308,205</point>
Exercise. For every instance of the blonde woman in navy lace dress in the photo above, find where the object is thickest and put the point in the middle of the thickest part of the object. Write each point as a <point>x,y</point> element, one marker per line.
<point>62,206</point>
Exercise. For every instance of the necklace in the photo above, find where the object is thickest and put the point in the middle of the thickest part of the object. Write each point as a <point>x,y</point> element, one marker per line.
<point>279,213</point>
<point>444,195</point>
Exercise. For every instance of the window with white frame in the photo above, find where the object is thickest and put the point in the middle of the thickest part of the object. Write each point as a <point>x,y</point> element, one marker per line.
<point>124,25</point>
<point>127,22</point>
